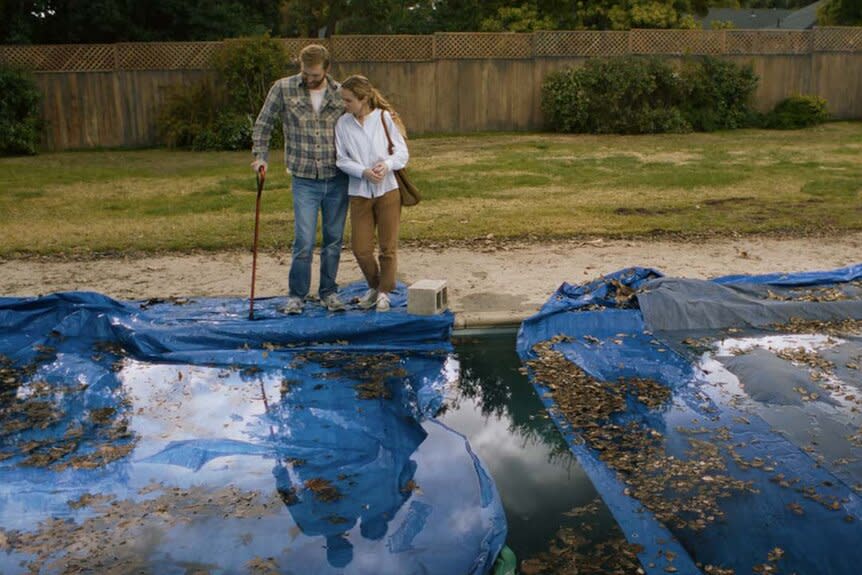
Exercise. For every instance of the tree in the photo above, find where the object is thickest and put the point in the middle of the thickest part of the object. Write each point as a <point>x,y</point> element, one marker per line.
<point>88,21</point>
<point>524,18</point>
<point>626,14</point>
<point>840,13</point>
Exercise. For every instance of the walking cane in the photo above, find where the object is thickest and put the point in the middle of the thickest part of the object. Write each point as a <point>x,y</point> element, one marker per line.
<point>261,176</point>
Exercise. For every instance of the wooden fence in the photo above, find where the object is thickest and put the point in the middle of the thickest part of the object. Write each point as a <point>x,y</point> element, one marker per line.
<point>110,94</point>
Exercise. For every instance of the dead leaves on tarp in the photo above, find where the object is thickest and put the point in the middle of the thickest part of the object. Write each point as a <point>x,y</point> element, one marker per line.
<point>174,300</point>
<point>814,294</point>
<point>682,493</point>
<point>583,399</point>
<point>94,439</point>
<point>371,371</point>
<point>826,327</point>
<point>118,536</point>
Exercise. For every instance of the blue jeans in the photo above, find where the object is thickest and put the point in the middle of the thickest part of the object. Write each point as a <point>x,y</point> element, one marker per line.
<point>329,197</point>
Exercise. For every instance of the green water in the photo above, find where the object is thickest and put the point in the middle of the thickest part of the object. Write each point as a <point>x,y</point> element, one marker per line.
<point>538,478</point>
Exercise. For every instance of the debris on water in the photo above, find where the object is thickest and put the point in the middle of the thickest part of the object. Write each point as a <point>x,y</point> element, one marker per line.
<point>373,372</point>
<point>41,407</point>
<point>99,543</point>
<point>323,490</point>
<point>410,487</point>
<point>261,566</point>
<point>373,390</point>
<point>571,552</point>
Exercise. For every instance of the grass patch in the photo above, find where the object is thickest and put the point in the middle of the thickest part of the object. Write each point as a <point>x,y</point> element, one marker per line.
<point>508,185</point>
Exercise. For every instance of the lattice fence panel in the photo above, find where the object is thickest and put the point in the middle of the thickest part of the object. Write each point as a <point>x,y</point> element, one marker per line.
<point>467,45</point>
<point>60,57</point>
<point>768,42</point>
<point>838,39</point>
<point>383,48</point>
<point>677,41</point>
<point>294,45</point>
<point>580,43</point>
<point>166,55</point>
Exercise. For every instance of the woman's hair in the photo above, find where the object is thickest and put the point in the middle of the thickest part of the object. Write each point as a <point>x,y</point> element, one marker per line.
<point>363,89</point>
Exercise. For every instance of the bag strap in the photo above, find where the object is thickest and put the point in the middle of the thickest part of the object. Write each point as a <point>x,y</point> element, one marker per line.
<point>386,130</point>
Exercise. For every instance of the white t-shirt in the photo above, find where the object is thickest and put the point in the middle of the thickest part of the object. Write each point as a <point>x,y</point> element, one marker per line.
<point>317,98</point>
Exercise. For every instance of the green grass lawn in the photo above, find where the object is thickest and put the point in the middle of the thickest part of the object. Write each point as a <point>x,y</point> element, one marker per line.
<point>508,185</point>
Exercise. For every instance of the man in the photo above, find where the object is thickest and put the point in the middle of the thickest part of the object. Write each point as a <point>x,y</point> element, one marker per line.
<point>309,104</point>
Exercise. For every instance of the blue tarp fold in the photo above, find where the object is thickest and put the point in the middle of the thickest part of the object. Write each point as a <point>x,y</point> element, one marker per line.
<point>169,436</point>
<point>769,411</point>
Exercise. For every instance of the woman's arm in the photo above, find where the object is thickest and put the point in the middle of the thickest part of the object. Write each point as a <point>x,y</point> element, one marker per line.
<point>400,154</point>
<point>343,159</point>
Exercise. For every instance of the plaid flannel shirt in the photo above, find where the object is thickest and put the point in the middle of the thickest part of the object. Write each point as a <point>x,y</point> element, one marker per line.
<point>309,137</point>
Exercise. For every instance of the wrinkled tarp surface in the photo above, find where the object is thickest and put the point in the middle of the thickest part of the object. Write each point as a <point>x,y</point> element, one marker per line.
<point>179,436</point>
<point>765,381</point>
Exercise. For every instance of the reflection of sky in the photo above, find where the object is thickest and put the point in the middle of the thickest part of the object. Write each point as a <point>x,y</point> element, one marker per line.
<point>519,464</point>
<point>170,403</point>
<point>189,402</point>
<point>538,482</point>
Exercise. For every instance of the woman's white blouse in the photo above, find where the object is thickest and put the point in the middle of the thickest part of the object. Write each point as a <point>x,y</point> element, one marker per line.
<point>360,146</point>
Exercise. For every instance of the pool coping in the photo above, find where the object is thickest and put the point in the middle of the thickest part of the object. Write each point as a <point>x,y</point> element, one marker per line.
<point>488,319</point>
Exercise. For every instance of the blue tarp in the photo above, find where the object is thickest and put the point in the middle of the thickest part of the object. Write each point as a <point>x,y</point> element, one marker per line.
<point>177,436</point>
<point>776,411</point>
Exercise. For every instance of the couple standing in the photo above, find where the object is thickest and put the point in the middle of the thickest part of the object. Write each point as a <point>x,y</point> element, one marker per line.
<point>336,148</point>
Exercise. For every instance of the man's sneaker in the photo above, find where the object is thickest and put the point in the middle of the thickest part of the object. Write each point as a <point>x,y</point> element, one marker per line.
<point>369,300</point>
<point>332,302</point>
<point>293,306</point>
<point>383,302</point>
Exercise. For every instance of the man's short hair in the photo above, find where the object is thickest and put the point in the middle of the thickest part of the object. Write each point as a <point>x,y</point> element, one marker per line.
<point>314,54</point>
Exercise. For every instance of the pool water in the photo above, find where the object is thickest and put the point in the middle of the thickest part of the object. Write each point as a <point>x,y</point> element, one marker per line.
<point>539,480</point>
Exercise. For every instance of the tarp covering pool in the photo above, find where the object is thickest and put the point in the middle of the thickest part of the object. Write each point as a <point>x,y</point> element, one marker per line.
<point>720,420</point>
<point>180,437</point>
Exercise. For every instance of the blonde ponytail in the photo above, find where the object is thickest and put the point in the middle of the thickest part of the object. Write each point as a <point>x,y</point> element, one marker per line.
<point>362,89</point>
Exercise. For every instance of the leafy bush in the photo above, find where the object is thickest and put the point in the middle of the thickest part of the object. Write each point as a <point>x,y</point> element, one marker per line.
<point>629,95</point>
<point>19,112</point>
<point>797,112</point>
<point>228,132</point>
<point>246,69</point>
<point>636,95</point>
<point>218,115</point>
<point>719,94</point>
<point>187,112</point>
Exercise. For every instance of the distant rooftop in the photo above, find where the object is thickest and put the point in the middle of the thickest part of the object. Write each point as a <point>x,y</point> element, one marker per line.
<point>754,19</point>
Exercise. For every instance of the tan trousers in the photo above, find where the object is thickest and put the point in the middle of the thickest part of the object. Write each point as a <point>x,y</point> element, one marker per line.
<point>384,213</point>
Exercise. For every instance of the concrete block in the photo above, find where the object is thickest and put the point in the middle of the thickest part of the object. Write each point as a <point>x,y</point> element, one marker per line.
<point>427,297</point>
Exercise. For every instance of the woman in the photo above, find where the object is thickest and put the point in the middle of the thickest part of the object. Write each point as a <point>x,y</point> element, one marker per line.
<point>362,137</point>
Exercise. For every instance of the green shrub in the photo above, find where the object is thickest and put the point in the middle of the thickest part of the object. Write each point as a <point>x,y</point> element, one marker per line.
<point>246,69</point>
<point>719,94</point>
<point>636,95</point>
<point>19,112</point>
<point>628,95</point>
<point>188,111</point>
<point>797,112</point>
<point>228,132</point>
<point>218,115</point>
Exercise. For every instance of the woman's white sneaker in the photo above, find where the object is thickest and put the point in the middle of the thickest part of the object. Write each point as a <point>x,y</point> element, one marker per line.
<point>383,302</point>
<point>368,300</point>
